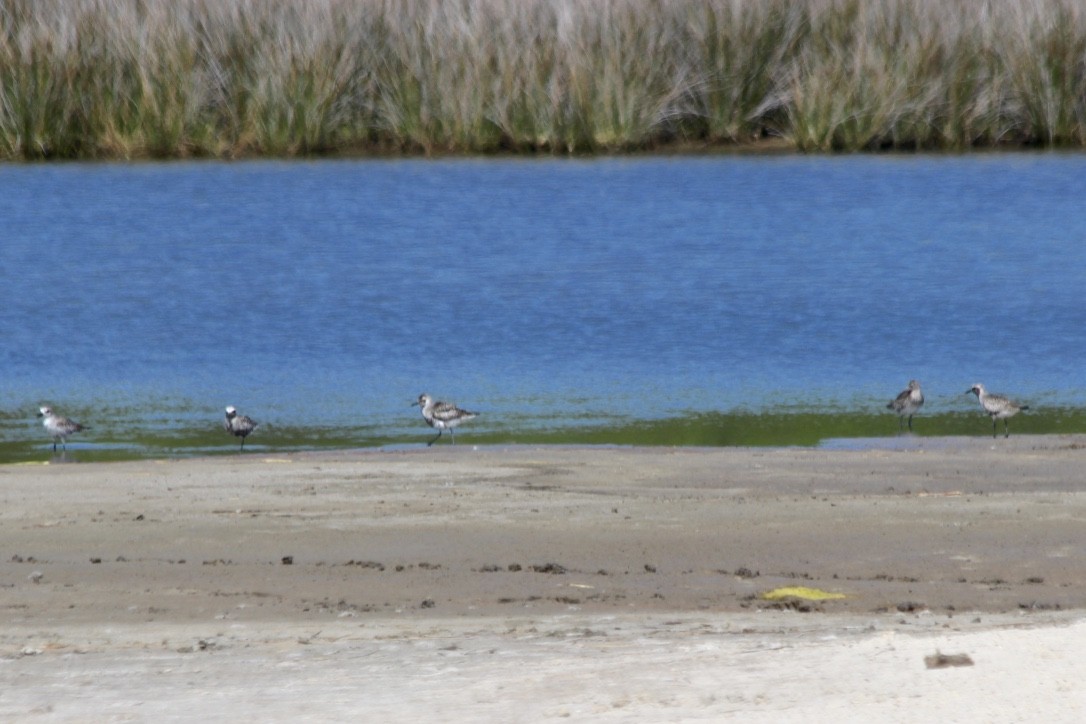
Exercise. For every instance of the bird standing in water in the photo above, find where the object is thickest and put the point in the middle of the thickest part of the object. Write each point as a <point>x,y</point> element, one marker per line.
<point>442,415</point>
<point>238,425</point>
<point>59,427</point>
<point>998,407</point>
<point>907,403</point>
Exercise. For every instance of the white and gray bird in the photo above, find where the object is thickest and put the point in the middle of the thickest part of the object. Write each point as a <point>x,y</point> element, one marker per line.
<point>59,427</point>
<point>238,425</point>
<point>907,403</point>
<point>998,407</point>
<point>442,416</point>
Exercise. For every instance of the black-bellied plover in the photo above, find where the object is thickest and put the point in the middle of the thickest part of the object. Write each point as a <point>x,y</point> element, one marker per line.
<point>442,416</point>
<point>59,427</point>
<point>238,425</point>
<point>907,403</point>
<point>998,407</point>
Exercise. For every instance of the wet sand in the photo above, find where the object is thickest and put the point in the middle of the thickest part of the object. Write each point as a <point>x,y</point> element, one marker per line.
<point>524,583</point>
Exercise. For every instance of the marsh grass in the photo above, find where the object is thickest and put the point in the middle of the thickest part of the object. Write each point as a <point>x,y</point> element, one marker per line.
<point>178,78</point>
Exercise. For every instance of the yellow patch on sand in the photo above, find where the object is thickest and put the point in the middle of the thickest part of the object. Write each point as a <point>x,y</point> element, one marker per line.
<point>807,594</point>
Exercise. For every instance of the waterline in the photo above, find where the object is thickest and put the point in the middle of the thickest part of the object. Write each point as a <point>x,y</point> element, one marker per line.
<point>845,430</point>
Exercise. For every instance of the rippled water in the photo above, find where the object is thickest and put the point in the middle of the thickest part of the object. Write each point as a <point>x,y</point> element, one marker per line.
<point>675,300</point>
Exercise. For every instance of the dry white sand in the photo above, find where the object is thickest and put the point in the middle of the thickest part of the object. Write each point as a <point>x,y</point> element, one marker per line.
<point>526,584</point>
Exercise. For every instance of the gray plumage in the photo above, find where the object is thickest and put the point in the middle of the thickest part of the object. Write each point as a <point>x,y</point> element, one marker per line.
<point>442,415</point>
<point>59,427</point>
<point>907,403</point>
<point>998,407</point>
<point>238,425</point>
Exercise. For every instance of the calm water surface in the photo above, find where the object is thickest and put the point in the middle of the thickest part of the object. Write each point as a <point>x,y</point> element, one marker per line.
<point>672,300</point>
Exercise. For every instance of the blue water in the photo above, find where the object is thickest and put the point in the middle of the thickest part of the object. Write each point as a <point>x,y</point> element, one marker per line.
<point>323,297</point>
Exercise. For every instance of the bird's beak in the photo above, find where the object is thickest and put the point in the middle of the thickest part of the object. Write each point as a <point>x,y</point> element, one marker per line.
<point>969,391</point>
<point>414,404</point>
<point>41,414</point>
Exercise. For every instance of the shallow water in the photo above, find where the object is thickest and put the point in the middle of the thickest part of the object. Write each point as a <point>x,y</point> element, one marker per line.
<point>650,300</point>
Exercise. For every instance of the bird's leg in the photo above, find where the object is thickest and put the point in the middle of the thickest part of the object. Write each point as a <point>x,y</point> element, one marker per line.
<point>452,435</point>
<point>1006,429</point>
<point>993,427</point>
<point>435,439</point>
<point>910,423</point>
<point>242,443</point>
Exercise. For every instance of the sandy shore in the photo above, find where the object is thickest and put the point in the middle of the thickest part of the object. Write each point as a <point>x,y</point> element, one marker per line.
<point>523,584</point>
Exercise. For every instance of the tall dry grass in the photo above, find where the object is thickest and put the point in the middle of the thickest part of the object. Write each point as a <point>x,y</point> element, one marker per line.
<point>175,78</point>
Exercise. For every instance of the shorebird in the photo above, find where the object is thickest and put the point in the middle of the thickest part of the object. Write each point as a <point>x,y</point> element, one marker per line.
<point>59,427</point>
<point>907,403</point>
<point>441,415</point>
<point>998,407</point>
<point>238,425</point>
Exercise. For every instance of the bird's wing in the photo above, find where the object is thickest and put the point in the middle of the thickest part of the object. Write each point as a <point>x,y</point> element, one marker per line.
<point>445,411</point>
